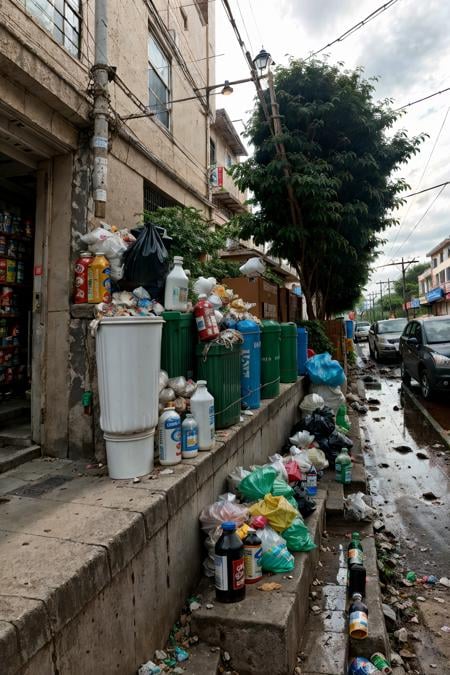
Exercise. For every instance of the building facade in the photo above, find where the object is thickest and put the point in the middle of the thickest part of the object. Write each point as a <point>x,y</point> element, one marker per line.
<point>159,54</point>
<point>434,283</point>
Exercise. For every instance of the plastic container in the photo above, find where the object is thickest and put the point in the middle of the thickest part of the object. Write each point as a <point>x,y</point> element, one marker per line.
<point>343,467</point>
<point>169,428</point>
<point>178,344</point>
<point>128,363</point>
<point>358,624</point>
<point>205,319</point>
<point>355,553</point>
<point>288,353</point>
<point>221,368</point>
<point>349,329</point>
<point>229,565</point>
<point>130,455</point>
<point>252,557</point>
<point>270,359</point>
<point>311,481</point>
<point>302,350</point>
<point>250,363</point>
<point>202,407</point>
<point>177,285</point>
<point>189,437</point>
<point>99,279</point>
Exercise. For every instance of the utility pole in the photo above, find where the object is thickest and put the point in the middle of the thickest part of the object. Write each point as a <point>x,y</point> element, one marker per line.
<point>100,74</point>
<point>389,293</point>
<point>380,283</point>
<point>404,264</point>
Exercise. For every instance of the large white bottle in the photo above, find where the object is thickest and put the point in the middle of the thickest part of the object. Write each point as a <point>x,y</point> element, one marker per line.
<point>169,427</point>
<point>202,407</point>
<point>177,284</point>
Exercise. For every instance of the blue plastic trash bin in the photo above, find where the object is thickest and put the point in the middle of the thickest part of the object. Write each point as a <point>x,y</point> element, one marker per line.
<point>250,363</point>
<point>302,350</point>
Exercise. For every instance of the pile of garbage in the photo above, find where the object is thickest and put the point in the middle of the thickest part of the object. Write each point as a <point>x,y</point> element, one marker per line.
<point>124,303</point>
<point>176,390</point>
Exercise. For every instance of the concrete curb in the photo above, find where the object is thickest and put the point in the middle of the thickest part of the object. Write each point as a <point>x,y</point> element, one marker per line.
<point>430,419</point>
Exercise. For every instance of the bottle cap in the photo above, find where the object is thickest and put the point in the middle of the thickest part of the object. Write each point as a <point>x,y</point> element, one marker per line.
<point>178,259</point>
<point>204,382</point>
<point>228,526</point>
<point>356,596</point>
<point>86,254</point>
<point>355,535</point>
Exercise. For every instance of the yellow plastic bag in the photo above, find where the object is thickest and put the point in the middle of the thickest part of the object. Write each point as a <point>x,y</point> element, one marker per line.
<point>277,510</point>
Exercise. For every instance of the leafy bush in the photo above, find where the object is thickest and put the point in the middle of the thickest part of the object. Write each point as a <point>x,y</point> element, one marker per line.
<point>317,338</point>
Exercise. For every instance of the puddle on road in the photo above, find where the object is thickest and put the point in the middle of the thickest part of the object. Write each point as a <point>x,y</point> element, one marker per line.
<point>398,487</point>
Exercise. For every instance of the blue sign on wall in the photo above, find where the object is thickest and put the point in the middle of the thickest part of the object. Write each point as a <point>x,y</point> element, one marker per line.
<point>435,294</point>
<point>415,303</point>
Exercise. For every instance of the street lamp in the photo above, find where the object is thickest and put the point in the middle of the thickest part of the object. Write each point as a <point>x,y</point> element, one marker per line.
<point>263,61</point>
<point>227,89</point>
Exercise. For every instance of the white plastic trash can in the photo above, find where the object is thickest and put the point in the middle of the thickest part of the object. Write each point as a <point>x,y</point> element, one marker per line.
<point>130,455</point>
<point>128,363</point>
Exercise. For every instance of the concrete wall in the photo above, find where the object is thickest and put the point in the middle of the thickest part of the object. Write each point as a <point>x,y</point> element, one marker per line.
<point>119,559</point>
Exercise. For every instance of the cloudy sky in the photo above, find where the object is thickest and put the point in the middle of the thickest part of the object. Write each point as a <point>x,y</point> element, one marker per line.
<point>407,47</point>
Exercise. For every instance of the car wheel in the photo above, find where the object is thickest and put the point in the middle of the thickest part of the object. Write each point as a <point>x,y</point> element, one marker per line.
<point>406,377</point>
<point>425,385</point>
<point>376,354</point>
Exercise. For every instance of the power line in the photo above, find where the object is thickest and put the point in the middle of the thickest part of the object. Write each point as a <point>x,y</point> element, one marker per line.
<point>433,187</point>
<point>255,21</point>
<point>245,26</point>
<point>419,100</point>
<point>422,176</point>
<point>356,27</point>
<point>423,216</point>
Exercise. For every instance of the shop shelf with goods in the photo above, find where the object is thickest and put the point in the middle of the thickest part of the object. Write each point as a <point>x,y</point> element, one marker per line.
<point>260,292</point>
<point>288,353</point>
<point>178,344</point>
<point>220,366</point>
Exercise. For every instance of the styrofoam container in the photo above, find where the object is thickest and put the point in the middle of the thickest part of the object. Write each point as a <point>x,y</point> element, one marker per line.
<point>130,455</point>
<point>128,363</point>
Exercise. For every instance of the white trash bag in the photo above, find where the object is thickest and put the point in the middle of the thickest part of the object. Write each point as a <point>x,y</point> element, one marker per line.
<point>357,507</point>
<point>310,403</point>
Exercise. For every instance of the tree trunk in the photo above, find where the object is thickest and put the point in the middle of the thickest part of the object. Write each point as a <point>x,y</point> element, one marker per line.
<point>307,293</point>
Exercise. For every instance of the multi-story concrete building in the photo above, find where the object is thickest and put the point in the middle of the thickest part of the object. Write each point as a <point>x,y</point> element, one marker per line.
<point>160,58</point>
<point>434,283</point>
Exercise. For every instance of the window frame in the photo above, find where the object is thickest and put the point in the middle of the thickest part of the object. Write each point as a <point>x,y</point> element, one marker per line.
<point>49,23</point>
<point>153,68</point>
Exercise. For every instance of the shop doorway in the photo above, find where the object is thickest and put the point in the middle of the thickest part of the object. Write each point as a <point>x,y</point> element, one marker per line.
<point>17,231</point>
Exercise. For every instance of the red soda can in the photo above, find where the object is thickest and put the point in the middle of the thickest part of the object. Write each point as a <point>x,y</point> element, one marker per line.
<point>81,277</point>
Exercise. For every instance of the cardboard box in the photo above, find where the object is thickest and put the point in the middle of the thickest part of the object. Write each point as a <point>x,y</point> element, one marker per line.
<point>283,304</point>
<point>262,293</point>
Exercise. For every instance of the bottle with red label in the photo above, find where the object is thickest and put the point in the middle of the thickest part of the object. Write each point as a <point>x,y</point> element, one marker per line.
<point>205,319</point>
<point>229,565</point>
<point>81,277</point>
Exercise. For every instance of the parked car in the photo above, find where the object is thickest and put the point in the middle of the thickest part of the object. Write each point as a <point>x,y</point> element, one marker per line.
<point>425,354</point>
<point>384,338</point>
<point>361,331</point>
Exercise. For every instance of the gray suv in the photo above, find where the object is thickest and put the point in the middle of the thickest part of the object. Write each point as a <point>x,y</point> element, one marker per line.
<point>425,354</point>
<point>384,337</point>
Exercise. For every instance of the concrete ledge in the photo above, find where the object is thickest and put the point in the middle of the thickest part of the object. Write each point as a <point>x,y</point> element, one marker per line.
<point>262,632</point>
<point>81,554</point>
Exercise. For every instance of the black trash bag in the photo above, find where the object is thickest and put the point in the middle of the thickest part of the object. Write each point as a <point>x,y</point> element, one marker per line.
<point>333,445</point>
<point>320,423</point>
<point>146,262</point>
<point>305,504</point>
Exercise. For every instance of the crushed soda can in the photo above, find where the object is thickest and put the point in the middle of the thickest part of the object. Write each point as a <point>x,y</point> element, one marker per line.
<point>362,666</point>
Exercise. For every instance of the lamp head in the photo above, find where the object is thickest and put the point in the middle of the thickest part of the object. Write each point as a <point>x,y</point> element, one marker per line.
<point>227,89</point>
<point>262,61</point>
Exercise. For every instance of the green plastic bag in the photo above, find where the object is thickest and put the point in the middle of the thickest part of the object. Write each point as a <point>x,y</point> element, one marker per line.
<point>282,489</point>
<point>297,536</point>
<point>258,484</point>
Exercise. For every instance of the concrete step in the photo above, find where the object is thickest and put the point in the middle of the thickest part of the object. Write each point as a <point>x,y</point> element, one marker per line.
<point>335,494</point>
<point>12,410</point>
<point>203,660</point>
<point>261,633</point>
<point>12,456</point>
<point>16,433</point>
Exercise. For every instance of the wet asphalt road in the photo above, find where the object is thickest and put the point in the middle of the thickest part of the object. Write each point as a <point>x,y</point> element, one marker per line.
<point>398,480</point>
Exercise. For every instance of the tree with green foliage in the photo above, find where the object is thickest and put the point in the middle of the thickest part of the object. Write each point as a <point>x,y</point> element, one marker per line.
<point>340,157</point>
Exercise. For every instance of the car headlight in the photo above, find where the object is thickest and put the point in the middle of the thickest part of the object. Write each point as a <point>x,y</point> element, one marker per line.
<point>440,359</point>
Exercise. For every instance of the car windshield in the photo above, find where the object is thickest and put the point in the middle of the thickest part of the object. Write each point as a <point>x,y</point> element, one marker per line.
<point>391,326</point>
<point>362,325</point>
<point>437,331</point>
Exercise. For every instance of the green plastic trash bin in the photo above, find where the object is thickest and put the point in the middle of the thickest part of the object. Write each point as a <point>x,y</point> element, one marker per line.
<point>178,344</point>
<point>288,353</point>
<point>221,368</point>
<point>270,359</point>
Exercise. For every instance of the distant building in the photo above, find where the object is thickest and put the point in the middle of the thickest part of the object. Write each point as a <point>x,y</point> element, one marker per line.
<point>434,283</point>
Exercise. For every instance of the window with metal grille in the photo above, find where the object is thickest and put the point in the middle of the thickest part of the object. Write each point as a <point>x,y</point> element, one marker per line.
<point>62,18</point>
<point>158,81</point>
<point>154,198</point>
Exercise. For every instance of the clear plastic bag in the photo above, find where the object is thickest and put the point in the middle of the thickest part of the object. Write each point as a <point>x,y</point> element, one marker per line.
<point>297,536</point>
<point>302,439</point>
<point>178,384</point>
<point>277,462</point>
<point>357,507</point>
<point>166,395</point>
<point>317,457</point>
<point>214,515</point>
<point>310,403</point>
<point>163,380</point>
<point>235,477</point>
<point>301,458</point>
<point>332,396</point>
<point>276,557</point>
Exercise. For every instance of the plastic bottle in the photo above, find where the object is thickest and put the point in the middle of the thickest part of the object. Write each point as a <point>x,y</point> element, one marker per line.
<point>202,407</point>
<point>252,557</point>
<point>229,565</point>
<point>311,481</point>
<point>169,436</point>
<point>357,580</point>
<point>355,551</point>
<point>176,291</point>
<point>358,618</point>
<point>362,666</point>
<point>189,437</point>
<point>205,319</point>
<point>99,279</point>
<point>343,466</point>
<point>342,419</point>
